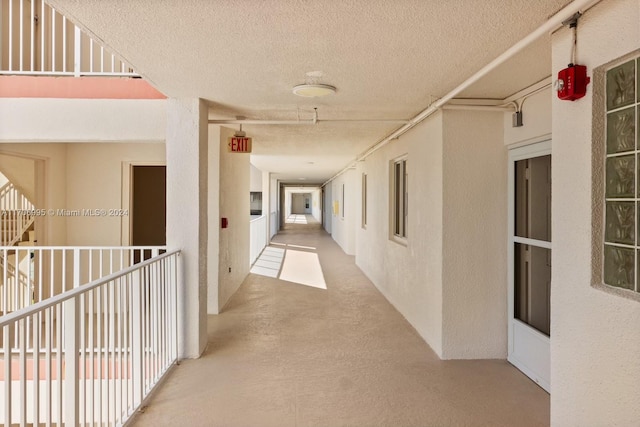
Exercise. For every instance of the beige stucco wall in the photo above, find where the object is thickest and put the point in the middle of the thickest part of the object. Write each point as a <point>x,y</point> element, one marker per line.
<point>595,367</point>
<point>343,227</point>
<point>255,178</point>
<point>536,118</point>
<point>82,120</point>
<point>410,276</point>
<point>474,271</point>
<point>449,281</point>
<point>234,205</point>
<point>95,181</point>
<point>85,176</point>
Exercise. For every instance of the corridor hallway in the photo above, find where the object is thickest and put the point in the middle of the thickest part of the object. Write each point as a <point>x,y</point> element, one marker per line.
<point>284,354</point>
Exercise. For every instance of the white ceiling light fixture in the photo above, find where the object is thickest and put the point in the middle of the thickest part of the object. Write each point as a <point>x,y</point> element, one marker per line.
<point>312,88</point>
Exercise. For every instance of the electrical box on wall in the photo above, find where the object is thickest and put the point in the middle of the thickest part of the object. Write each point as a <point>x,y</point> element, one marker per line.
<point>572,82</point>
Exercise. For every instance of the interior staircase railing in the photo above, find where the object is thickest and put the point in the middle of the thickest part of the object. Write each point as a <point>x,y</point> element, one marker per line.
<point>17,214</point>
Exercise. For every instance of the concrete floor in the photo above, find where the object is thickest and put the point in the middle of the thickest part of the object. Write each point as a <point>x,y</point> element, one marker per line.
<point>286,354</point>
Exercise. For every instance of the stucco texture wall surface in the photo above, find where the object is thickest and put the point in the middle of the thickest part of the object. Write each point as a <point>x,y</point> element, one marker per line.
<point>595,368</point>
<point>475,236</point>
<point>409,276</point>
<point>234,205</point>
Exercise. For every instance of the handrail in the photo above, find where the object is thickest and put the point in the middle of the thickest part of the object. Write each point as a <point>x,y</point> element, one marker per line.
<point>258,218</point>
<point>50,302</point>
<point>102,248</point>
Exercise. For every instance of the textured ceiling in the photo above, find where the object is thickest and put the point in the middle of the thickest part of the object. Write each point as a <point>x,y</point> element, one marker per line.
<point>388,59</point>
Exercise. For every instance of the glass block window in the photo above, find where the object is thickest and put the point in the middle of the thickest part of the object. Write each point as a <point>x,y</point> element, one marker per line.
<point>622,170</point>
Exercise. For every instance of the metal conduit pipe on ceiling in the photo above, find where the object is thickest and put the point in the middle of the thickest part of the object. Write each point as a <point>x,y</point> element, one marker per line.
<point>549,26</point>
<point>299,122</point>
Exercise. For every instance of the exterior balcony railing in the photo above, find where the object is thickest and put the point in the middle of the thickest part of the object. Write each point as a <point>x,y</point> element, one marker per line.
<point>37,40</point>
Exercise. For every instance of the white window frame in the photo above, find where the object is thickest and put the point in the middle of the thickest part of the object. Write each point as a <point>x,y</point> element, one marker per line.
<point>399,200</point>
<point>364,201</point>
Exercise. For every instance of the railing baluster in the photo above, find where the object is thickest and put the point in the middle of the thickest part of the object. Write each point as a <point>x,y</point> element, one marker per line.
<point>82,362</point>
<point>64,44</point>
<point>11,36</point>
<point>48,367</point>
<point>51,273</point>
<point>118,338</point>
<point>77,57</point>
<point>92,358</point>
<point>1,44</point>
<point>137,338</point>
<point>43,30</point>
<point>71,348</point>
<point>54,65</point>
<point>112,355</point>
<point>100,344</point>
<point>32,39</point>
<point>37,331</point>
<point>6,347</point>
<point>5,285</point>
<point>22,346</point>
<point>91,58</point>
<point>21,28</point>
<point>58,348</point>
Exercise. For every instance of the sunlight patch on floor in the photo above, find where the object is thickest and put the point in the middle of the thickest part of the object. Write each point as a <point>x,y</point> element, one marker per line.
<point>269,262</point>
<point>294,266</point>
<point>297,219</point>
<point>303,268</point>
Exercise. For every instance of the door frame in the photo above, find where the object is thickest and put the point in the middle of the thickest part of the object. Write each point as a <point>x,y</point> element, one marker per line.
<point>127,196</point>
<point>537,149</point>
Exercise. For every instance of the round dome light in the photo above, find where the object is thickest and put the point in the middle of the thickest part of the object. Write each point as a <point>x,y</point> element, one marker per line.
<point>313,90</point>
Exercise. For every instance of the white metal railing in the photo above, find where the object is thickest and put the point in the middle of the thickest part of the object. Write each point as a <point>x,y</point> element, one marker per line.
<point>91,355</point>
<point>17,213</point>
<point>258,237</point>
<point>31,274</point>
<point>37,40</point>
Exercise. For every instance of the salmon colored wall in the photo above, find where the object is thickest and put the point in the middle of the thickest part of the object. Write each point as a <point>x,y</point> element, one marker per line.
<point>77,87</point>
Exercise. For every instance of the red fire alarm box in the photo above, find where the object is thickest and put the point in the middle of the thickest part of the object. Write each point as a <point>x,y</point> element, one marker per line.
<point>224,222</point>
<point>572,82</point>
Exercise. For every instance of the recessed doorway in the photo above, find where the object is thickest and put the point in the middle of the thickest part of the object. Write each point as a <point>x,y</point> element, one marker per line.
<point>530,261</point>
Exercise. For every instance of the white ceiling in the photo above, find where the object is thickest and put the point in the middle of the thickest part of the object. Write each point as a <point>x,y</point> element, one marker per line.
<point>388,60</point>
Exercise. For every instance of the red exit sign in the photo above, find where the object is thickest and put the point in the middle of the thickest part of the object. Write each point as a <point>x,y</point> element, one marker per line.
<point>239,144</point>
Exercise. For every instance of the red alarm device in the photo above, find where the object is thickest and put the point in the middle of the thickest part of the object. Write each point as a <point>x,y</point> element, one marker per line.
<point>572,82</point>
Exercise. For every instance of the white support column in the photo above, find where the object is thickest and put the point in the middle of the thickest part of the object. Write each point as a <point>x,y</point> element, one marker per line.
<point>214,219</point>
<point>187,174</point>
